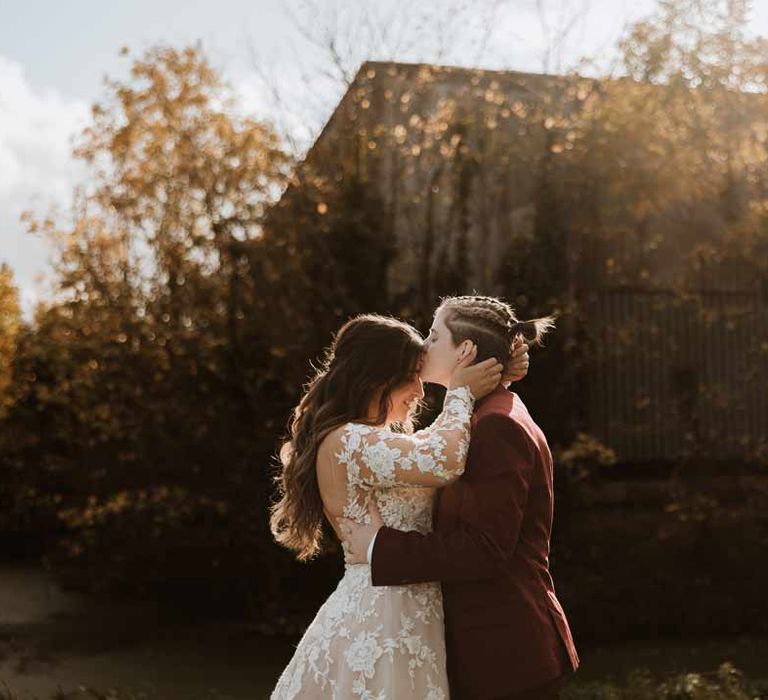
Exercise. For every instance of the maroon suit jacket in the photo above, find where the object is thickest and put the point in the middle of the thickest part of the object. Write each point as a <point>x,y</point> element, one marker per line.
<point>505,630</point>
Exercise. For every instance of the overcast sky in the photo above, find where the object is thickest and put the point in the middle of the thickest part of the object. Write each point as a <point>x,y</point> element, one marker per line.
<point>54,55</point>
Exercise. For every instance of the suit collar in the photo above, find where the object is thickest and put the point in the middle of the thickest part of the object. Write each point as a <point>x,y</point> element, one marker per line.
<point>497,398</point>
<point>499,391</point>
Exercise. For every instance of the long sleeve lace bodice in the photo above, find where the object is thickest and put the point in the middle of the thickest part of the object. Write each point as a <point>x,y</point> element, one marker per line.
<point>363,460</point>
<point>430,457</point>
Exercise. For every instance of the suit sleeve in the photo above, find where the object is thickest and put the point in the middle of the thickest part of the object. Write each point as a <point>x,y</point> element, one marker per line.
<point>493,499</point>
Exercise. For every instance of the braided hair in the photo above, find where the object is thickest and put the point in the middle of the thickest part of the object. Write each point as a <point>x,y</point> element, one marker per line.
<point>491,324</point>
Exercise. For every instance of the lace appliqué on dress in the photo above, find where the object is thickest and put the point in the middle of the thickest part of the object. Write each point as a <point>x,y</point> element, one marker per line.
<point>378,643</point>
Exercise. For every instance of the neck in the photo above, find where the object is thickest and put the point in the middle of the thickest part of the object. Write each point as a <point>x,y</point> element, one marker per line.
<point>499,389</point>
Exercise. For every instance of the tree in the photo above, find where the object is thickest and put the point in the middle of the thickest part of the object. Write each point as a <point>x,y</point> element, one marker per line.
<point>137,382</point>
<point>10,319</point>
<point>670,206</point>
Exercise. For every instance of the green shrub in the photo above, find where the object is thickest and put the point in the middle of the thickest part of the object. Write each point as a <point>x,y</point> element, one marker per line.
<point>727,683</point>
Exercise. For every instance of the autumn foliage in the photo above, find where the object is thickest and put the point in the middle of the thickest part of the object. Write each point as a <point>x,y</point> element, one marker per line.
<point>204,269</point>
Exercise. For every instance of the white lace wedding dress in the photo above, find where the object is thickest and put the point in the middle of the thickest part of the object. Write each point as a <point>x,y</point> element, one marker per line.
<point>379,643</point>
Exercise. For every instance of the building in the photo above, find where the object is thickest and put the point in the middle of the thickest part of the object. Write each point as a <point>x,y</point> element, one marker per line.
<point>544,189</point>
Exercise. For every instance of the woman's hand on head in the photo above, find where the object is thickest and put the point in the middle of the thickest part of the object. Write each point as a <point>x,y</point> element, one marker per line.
<point>518,363</point>
<point>481,378</point>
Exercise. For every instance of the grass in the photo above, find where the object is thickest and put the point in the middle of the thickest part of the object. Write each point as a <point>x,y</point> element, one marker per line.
<point>734,668</point>
<point>730,668</point>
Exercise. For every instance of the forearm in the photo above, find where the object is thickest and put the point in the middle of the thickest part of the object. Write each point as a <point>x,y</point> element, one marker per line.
<point>486,529</point>
<point>433,457</point>
<point>463,554</point>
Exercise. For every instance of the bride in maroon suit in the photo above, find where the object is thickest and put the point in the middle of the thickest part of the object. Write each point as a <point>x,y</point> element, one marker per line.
<point>367,642</point>
<point>506,633</point>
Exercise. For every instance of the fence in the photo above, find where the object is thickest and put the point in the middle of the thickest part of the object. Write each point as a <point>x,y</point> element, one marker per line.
<point>678,375</point>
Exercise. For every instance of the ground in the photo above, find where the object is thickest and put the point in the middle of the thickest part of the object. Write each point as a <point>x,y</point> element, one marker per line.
<point>49,640</point>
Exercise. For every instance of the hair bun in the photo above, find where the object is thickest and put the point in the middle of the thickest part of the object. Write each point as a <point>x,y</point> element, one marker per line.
<point>525,328</point>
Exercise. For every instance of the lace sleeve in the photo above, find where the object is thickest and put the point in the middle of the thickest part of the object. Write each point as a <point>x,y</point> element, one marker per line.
<point>432,457</point>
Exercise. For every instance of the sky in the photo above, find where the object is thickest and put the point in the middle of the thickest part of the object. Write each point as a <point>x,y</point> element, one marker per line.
<point>54,56</point>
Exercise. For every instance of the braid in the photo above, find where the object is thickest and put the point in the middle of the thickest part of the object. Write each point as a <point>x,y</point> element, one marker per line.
<point>484,307</point>
<point>491,322</point>
<point>489,312</point>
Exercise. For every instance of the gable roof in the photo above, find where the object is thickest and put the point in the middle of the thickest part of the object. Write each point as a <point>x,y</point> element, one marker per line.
<point>530,85</point>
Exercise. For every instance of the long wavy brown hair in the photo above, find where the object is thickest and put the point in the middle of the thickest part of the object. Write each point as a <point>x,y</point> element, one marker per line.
<point>368,354</point>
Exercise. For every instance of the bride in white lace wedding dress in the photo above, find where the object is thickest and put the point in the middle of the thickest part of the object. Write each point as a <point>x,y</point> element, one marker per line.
<point>378,643</point>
